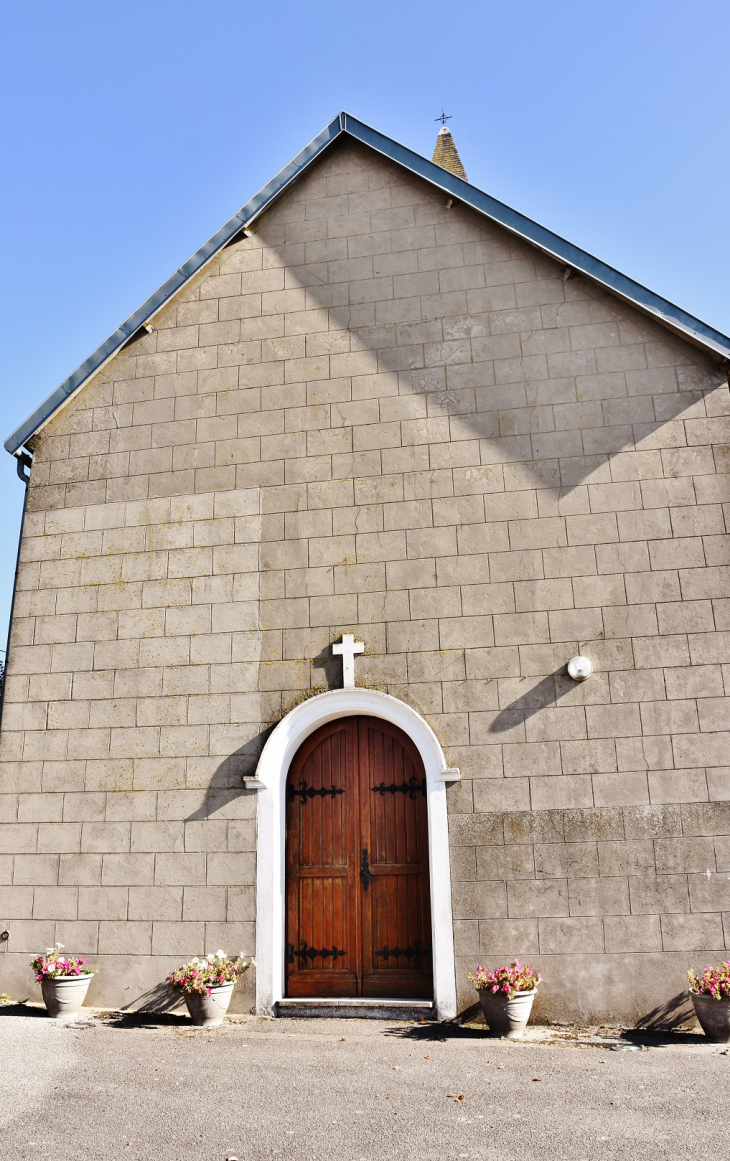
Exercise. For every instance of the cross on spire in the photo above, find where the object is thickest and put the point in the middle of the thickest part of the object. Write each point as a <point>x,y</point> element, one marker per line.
<point>347,649</point>
<point>443,118</point>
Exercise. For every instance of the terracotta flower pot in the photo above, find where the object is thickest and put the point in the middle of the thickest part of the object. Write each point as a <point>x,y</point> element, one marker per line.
<point>506,1017</point>
<point>208,1011</point>
<point>714,1017</point>
<point>64,995</point>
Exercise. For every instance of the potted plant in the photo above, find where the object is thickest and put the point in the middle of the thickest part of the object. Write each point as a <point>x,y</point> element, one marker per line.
<point>506,995</point>
<point>207,985</point>
<point>710,994</point>
<point>64,981</point>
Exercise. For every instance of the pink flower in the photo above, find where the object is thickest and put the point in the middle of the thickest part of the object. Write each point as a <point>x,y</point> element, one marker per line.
<point>714,982</point>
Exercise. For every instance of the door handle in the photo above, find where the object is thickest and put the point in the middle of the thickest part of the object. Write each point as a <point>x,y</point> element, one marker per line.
<point>366,875</point>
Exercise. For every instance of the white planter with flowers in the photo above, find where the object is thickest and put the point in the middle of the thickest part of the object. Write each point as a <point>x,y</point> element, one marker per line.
<point>64,981</point>
<point>506,995</point>
<point>207,986</point>
<point>710,994</point>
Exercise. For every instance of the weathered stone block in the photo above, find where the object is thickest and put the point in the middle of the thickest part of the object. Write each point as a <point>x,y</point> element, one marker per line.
<point>708,892</point>
<point>534,898</point>
<point>566,936</point>
<point>602,824</point>
<point>631,856</point>
<point>477,830</point>
<point>155,903</point>
<point>565,860</point>
<point>533,827</point>
<point>599,896</point>
<point>692,932</point>
<point>111,902</point>
<point>632,933</point>
<point>663,894</point>
<point>652,821</point>
<point>509,862</point>
<point>706,818</point>
<point>507,937</point>
<point>677,855</point>
<point>479,900</point>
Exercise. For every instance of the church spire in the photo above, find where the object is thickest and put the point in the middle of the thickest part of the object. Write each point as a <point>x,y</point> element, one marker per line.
<point>445,152</point>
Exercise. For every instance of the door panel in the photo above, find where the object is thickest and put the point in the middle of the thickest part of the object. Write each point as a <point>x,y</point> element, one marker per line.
<point>395,911</point>
<point>358,903</point>
<point>322,940</point>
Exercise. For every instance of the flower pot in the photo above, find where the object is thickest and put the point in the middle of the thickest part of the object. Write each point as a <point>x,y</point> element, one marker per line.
<point>506,1017</point>
<point>208,1011</point>
<point>64,995</point>
<point>714,1017</point>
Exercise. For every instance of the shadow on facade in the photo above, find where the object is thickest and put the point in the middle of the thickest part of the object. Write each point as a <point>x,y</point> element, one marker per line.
<point>22,1008</point>
<point>439,1031</point>
<point>461,362</point>
<point>675,1013</point>
<point>216,799</point>
<point>331,668</point>
<point>160,1001</point>
<point>546,693</point>
<point>226,785</point>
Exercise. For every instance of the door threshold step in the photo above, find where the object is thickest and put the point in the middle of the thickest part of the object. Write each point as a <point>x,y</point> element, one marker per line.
<point>356,1009</point>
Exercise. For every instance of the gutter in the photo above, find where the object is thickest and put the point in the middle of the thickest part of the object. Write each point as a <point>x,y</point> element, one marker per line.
<point>23,464</point>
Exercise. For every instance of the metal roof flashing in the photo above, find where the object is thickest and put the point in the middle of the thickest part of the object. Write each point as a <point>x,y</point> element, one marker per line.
<point>673,317</point>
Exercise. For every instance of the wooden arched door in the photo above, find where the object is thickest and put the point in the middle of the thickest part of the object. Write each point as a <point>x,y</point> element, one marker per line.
<point>358,916</point>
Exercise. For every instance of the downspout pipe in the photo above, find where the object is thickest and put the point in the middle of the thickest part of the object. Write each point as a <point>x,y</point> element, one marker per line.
<point>23,463</point>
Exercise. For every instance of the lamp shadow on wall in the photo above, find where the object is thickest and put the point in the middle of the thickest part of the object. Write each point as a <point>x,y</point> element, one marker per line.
<point>547,692</point>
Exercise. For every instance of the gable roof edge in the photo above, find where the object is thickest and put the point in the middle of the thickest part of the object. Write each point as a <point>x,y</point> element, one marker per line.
<point>550,243</point>
<point>113,344</point>
<point>667,313</point>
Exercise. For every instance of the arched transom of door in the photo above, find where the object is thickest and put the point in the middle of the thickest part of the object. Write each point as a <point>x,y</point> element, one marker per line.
<point>358,919</point>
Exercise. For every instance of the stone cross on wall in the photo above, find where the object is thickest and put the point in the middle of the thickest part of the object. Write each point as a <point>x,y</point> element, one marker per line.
<point>347,649</point>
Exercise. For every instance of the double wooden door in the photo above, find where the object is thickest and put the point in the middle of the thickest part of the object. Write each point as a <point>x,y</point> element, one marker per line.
<point>358,917</point>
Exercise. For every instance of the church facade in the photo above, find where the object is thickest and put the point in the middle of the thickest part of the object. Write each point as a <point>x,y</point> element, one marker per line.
<point>308,545</point>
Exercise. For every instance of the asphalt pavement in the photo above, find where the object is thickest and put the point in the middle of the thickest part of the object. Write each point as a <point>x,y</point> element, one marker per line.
<point>152,1088</point>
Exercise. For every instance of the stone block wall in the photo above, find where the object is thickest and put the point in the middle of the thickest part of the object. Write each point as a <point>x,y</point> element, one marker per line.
<point>382,416</point>
<point>132,836</point>
<point>622,897</point>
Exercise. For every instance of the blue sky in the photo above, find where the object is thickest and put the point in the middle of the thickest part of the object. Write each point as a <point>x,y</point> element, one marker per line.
<point>131,132</point>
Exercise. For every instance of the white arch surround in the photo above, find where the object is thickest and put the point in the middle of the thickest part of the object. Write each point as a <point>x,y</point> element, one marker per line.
<point>270,779</point>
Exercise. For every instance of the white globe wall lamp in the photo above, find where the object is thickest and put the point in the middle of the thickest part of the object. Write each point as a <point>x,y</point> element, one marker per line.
<point>580,668</point>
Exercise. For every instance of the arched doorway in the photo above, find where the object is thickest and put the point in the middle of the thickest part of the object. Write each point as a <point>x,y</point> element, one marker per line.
<point>358,915</point>
<point>270,783</point>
